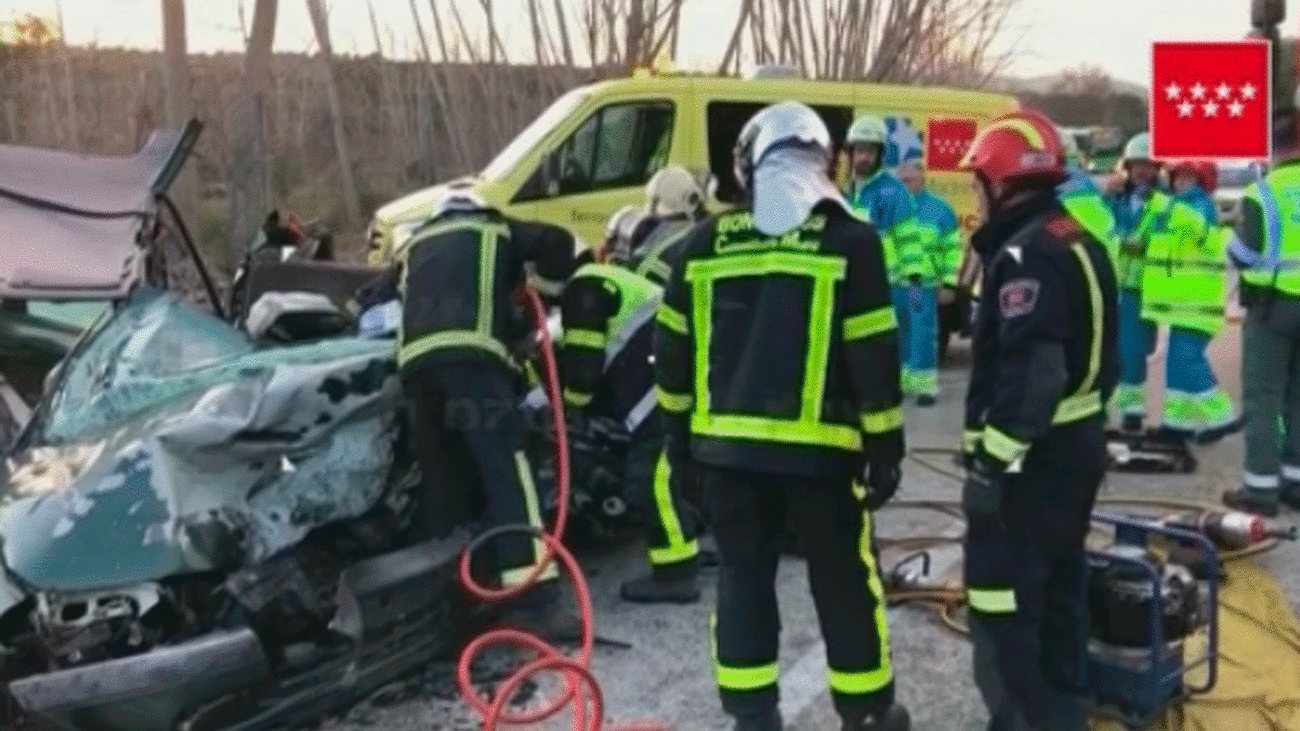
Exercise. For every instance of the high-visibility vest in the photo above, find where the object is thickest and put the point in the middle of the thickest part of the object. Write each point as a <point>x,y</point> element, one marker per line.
<point>638,300</point>
<point>1279,198</point>
<point>1164,222</point>
<point>1090,211</point>
<point>1182,279</point>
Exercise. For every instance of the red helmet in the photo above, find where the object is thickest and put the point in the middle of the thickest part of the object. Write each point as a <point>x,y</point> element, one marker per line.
<point>1017,150</point>
<point>1206,172</point>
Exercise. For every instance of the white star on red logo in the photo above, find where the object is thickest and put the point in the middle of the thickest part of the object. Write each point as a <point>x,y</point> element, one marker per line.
<point>1235,109</point>
<point>1185,109</point>
<point>1198,91</point>
<point>1248,91</point>
<point>1173,91</point>
<point>1223,90</point>
<point>1211,109</point>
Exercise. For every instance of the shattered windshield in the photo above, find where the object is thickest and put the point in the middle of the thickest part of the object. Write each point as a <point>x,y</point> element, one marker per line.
<point>124,368</point>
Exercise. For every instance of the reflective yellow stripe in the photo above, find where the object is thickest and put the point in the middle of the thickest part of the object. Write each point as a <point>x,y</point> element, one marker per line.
<point>677,403</point>
<point>809,428</point>
<point>576,398</point>
<point>585,339</point>
<point>516,576</point>
<point>487,267</point>
<point>992,601</point>
<point>756,677</point>
<point>1074,408</point>
<point>879,422</point>
<point>451,339</point>
<point>970,440</point>
<point>1095,302</point>
<point>678,548</point>
<point>787,431</point>
<point>868,681</point>
<point>1002,446</point>
<point>671,319</point>
<point>871,323</point>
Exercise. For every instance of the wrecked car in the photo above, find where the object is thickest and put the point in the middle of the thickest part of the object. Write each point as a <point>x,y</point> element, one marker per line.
<point>200,528</point>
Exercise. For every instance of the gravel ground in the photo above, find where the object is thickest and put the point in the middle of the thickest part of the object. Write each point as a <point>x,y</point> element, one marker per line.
<point>665,678</point>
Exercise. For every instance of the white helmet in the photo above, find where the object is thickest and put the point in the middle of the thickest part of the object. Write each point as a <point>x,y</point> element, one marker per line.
<point>784,123</point>
<point>457,200</point>
<point>672,191</point>
<point>618,233</point>
<point>866,129</point>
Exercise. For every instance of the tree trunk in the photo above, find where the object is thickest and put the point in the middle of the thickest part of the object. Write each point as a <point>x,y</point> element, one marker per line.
<point>176,90</point>
<point>249,197</point>
<point>320,22</point>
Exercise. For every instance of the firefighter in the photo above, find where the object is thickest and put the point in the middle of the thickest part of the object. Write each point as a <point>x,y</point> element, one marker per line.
<point>1182,287</point>
<point>608,315</point>
<point>674,203</point>
<point>944,257</point>
<point>1142,213</point>
<point>1265,248</point>
<point>1044,363</point>
<point>890,208</point>
<point>785,301</point>
<point>456,277</point>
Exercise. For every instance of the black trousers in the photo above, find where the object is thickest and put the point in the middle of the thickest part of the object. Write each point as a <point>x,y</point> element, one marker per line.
<point>468,435</point>
<point>659,492</point>
<point>1027,589</point>
<point>748,513</point>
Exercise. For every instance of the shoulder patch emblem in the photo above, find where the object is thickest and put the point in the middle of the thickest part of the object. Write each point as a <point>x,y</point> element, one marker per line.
<point>1062,227</point>
<point>1018,297</point>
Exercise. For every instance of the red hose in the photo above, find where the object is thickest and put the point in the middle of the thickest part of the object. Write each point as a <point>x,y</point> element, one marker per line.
<point>581,690</point>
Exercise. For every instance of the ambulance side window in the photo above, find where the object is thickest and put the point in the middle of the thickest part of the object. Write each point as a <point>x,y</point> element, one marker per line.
<point>619,146</point>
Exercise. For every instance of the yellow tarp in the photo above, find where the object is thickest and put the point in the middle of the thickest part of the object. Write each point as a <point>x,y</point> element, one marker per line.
<point>1258,688</point>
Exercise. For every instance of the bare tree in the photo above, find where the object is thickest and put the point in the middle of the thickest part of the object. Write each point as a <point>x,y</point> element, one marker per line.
<point>1084,80</point>
<point>176,89</point>
<point>320,21</point>
<point>249,194</point>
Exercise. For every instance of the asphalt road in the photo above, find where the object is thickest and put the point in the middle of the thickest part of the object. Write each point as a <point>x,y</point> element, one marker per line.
<point>665,677</point>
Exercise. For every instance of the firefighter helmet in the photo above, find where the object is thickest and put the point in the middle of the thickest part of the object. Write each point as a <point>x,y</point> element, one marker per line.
<point>618,234</point>
<point>787,123</point>
<point>673,192</point>
<point>1015,151</point>
<point>1206,172</point>
<point>1138,148</point>
<point>866,130</point>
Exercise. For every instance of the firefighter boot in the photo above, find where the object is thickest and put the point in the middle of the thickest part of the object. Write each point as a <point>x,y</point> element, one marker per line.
<point>665,585</point>
<point>765,720</point>
<point>895,719</point>
<point>1252,501</point>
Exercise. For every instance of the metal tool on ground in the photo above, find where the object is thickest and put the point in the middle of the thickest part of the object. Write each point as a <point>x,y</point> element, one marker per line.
<point>1235,530</point>
<point>1144,610</point>
<point>1151,451</point>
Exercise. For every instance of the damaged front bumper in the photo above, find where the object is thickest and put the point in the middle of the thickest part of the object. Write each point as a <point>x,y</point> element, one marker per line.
<point>148,692</point>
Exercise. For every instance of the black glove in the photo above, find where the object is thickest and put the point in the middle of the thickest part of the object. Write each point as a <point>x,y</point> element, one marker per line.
<point>981,495</point>
<point>882,480</point>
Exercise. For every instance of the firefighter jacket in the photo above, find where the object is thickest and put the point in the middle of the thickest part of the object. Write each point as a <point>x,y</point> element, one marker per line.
<point>1182,276</point>
<point>608,314</point>
<point>654,246</point>
<point>1142,220</point>
<point>779,354</point>
<point>943,258</point>
<point>458,276</point>
<point>1045,343</point>
<point>1266,243</point>
<point>892,211</point>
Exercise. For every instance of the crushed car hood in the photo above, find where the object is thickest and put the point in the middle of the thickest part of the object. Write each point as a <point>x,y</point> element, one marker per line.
<point>50,248</point>
<point>172,445</point>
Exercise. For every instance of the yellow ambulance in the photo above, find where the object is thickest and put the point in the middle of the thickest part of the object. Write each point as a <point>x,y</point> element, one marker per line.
<point>593,150</point>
